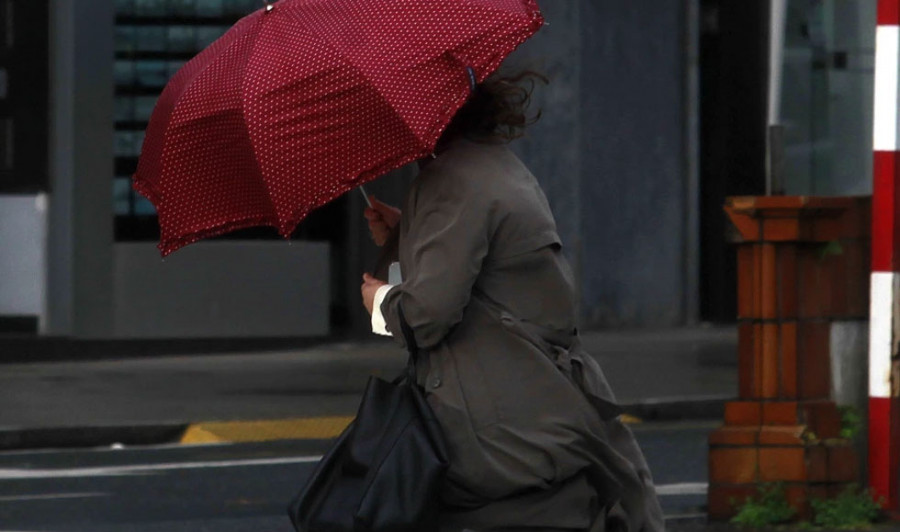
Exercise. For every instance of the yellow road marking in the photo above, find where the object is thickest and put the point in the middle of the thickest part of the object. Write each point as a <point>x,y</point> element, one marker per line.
<point>279,429</point>
<point>316,428</point>
<point>630,420</point>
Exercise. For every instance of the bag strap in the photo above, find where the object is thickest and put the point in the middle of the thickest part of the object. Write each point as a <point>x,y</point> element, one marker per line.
<point>411,345</point>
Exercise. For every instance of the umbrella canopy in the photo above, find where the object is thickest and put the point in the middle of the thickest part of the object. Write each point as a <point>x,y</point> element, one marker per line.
<point>304,100</point>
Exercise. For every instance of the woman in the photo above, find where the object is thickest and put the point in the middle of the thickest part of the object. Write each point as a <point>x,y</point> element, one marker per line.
<point>529,420</point>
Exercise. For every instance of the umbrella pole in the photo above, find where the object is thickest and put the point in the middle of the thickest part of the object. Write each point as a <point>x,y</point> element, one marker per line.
<point>363,191</point>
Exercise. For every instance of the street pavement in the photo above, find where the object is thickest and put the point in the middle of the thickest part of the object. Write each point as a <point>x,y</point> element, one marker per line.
<point>78,438</point>
<point>245,487</point>
<point>661,374</point>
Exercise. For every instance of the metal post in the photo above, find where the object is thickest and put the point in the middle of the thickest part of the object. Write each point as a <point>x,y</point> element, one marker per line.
<point>884,368</point>
<point>774,136</point>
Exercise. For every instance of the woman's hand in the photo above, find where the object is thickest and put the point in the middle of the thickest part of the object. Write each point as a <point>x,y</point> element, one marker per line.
<point>369,287</point>
<point>382,219</point>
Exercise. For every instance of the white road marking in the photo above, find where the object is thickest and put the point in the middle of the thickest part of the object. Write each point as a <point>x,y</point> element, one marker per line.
<point>141,469</point>
<point>108,449</point>
<point>684,488</point>
<point>52,496</point>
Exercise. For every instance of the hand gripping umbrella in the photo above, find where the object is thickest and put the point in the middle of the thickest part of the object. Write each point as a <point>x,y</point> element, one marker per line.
<point>304,100</point>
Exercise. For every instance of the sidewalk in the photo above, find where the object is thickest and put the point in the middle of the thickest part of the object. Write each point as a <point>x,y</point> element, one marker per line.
<point>669,374</point>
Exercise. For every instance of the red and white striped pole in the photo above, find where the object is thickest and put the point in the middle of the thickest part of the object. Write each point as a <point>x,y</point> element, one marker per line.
<point>884,404</point>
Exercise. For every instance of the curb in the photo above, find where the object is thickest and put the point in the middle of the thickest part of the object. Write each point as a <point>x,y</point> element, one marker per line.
<point>71,437</point>
<point>318,428</point>
<point>679,408</point>
<point>31,349</point>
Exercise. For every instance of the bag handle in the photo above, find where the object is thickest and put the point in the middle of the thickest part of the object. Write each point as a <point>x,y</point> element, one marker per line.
<point>411,346</point>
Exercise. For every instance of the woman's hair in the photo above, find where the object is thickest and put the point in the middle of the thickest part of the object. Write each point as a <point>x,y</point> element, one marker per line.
<point>498,108</point>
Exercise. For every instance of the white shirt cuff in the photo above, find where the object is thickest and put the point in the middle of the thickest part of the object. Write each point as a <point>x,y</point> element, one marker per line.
<point>378,324</point>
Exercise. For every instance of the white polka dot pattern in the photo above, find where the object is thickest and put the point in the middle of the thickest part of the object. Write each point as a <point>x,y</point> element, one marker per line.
<point>293,107</point>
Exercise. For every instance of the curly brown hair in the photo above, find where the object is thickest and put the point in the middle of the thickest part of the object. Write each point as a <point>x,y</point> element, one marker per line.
<point>498,108</point>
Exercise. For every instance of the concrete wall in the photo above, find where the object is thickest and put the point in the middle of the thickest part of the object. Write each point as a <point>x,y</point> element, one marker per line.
<point>551,148</point>
<point>633,157</point>
<point>22,241</point>
<point>848,350</point>
<point>612,153</point>
<point>222,289</point>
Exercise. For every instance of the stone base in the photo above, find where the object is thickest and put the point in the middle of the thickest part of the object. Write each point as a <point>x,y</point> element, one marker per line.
<point>725,499</point>
<point>799,447</point>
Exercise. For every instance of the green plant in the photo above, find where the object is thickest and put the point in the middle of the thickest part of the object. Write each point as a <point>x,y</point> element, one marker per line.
<point>770,507</point>
<point>853,508</point>
<point>833,247</point>
<point>851,421</point>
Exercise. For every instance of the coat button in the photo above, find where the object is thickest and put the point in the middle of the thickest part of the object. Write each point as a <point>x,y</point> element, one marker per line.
<point>435,382</point>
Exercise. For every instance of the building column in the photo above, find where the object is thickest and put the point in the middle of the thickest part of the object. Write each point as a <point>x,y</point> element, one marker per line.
<point>80,223</point>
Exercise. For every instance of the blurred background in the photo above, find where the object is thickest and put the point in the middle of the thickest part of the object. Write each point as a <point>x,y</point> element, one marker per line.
<point>654,114</point>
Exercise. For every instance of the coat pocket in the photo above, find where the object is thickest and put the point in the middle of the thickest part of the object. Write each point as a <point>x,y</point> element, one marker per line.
<point>579,369</point>
<point>459,391</point>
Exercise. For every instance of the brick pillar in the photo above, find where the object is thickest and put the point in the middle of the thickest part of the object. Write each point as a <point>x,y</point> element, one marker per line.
<point>802,264</point>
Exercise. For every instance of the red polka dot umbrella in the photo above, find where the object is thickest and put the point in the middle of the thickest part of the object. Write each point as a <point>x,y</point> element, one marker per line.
<point>304,100</point>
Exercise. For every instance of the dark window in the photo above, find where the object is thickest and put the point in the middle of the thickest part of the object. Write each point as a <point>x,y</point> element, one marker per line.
<point>153,40</point>
<point>23,96</point>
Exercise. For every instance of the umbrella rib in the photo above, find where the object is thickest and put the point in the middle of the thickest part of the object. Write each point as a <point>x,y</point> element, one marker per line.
<point>292,219</point>
<point>262,178</point>
<point>324,38</point>
<point>234,36</point>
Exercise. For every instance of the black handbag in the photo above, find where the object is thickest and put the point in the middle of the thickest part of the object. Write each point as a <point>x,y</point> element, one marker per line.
<point>385,471</point>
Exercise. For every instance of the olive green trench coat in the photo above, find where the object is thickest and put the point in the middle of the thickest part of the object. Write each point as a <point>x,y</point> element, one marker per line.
<point>529,419</point>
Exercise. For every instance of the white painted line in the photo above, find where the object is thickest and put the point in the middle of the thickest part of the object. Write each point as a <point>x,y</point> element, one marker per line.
<point>887,42</point>
<point>881,316</point>
<point>52,496</point>
<point>141,469</point>
<point>684,488</point>
<point>110,449</point>
<point>677,517</point>
<point>679,399</point>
